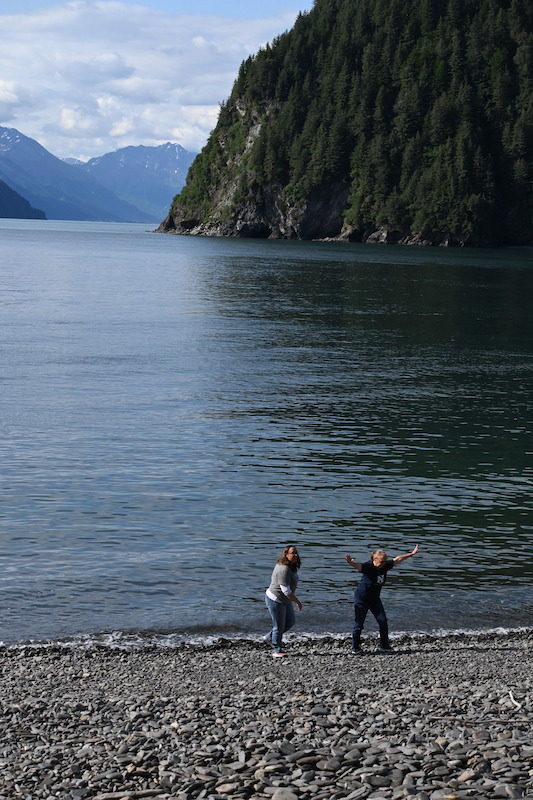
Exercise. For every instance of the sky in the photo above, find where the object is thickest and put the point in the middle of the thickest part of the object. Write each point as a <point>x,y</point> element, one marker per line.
<point>88,77</point>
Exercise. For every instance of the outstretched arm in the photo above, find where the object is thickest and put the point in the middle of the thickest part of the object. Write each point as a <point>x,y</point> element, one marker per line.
<point>355,564</point>
<point>399,559</point>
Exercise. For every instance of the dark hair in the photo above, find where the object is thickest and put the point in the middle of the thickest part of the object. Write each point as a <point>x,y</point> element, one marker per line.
<point>285,561</point>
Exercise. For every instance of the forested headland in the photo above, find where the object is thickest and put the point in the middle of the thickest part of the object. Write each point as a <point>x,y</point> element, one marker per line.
<point>376,120</point>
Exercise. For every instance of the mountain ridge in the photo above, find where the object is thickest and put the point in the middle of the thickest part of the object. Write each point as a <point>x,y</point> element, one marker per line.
<point>97,190</point>
<point>59,189</point>
<point>149,175</point>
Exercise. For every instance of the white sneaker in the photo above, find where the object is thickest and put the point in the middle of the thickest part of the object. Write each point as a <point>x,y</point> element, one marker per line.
<point>278,655</point>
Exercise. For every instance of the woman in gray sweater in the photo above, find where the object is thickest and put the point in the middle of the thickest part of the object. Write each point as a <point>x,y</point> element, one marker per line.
<point>280,597</point>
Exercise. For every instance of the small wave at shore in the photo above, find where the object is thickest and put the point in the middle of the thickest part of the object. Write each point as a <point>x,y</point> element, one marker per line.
<point>130,640</point>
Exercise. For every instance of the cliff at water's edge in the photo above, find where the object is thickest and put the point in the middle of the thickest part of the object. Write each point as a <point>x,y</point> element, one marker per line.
<point>376,122</point>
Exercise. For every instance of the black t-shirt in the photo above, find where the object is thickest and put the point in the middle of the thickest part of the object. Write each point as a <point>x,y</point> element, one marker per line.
<point>372,579</point>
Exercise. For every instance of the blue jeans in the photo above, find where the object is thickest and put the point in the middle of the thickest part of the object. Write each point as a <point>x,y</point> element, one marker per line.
<point>361,609</point>
<point>283,619</point>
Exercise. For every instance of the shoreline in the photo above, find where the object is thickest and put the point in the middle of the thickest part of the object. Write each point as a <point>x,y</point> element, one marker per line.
<point>439,718</point>
<point>132,640</point>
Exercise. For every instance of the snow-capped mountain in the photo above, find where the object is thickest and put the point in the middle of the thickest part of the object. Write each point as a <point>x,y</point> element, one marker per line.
<point>135,184</point>
<point>147,177</point>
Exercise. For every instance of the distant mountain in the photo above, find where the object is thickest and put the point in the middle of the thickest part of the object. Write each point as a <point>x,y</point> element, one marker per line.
<point>13,206</point>
<point>61,190</point>
<point>147,177</point>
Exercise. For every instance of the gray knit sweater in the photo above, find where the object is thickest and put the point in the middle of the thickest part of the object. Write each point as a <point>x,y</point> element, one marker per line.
<point>283,576</point>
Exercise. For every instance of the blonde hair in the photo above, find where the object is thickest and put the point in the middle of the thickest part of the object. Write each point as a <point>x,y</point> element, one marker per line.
<point>381,553</point>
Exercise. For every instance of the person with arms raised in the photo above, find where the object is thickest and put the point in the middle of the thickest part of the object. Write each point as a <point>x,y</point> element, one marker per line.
<point>367,595</point>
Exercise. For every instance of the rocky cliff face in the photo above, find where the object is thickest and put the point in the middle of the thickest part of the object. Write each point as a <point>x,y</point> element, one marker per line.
<point>272,217</point>
<point>319,218</point>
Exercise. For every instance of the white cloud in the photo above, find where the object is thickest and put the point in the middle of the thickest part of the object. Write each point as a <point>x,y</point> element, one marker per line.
<point>87,77</point>
<point>73,122</point>
<point>103,68</point>
<point>9,100</point>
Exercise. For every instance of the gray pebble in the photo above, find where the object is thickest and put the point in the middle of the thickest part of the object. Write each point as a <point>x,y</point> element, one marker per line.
<point>439,722</point>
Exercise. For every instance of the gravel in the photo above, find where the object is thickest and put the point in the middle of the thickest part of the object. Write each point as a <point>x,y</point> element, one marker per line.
<point>439,718</point>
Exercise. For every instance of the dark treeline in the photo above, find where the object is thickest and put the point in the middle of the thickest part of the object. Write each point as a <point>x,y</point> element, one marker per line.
<point>421,109</point>
<point>13,206</point>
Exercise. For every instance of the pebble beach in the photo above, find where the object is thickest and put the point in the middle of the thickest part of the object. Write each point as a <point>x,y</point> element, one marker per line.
<point>439,718</point>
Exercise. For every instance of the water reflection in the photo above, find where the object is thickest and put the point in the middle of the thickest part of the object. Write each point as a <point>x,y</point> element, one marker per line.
<point>400,392</point>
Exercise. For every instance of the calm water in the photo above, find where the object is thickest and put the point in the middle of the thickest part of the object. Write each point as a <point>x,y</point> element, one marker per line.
<point>173,410</point>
